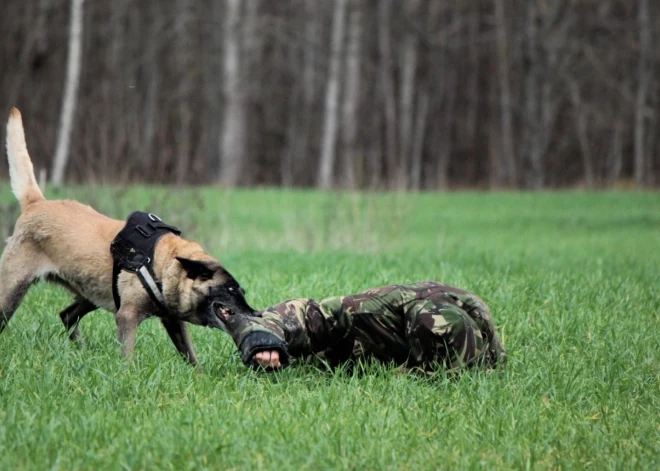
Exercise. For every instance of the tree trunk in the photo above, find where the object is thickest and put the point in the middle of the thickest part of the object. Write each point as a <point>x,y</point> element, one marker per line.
<point>301,131</point>
<point>233,135</point>
<point>33,41</point>
<point>542,63</point>
<point>582,132</point>
<point>310,48</point>
<point>291,154</point>
<point>251,52</point>
<point>407,90</point>
<point>418,139</point>
<point>506,171</point>
<point>151,104</point>
<point>474,74</point>
<point>184,44</point>
<point>69,101</point>
<point>616,154</point>
<point>350,125</point>
<point>387,79</point>
<point>445,143</point>
<point>644,78</point>
<point>326,166</point>
<point>534,176</point>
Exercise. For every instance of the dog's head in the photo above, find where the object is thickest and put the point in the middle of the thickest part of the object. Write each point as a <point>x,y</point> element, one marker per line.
<point>199,291</point>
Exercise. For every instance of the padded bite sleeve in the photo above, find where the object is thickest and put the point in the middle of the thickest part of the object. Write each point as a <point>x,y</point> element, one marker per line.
<point>260,341</point>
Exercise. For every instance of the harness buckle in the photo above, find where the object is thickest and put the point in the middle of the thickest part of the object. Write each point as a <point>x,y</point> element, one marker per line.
<point>154,218</point>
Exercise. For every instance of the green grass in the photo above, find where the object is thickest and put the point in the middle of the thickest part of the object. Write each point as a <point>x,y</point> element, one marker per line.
<point>572,280</point>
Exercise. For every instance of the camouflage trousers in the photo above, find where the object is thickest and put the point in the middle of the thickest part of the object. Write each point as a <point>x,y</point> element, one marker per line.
<point>453,336</point>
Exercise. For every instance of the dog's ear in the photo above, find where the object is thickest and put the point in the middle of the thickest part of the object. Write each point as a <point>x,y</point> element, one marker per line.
<point>196,269</point>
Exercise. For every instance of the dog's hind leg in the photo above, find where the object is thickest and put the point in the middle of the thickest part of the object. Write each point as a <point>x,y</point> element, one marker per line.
<point>10,298</point>
<point>18,270</point>
<point>72,314</point>
<point>178,332</point>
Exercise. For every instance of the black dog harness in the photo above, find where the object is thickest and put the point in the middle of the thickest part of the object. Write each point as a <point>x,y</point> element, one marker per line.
<point>133,250</point>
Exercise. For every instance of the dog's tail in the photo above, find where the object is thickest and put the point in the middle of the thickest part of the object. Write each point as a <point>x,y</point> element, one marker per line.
<point>23,183</point>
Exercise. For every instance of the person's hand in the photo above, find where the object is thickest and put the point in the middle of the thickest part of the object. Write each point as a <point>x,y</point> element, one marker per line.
<point>268,359</point>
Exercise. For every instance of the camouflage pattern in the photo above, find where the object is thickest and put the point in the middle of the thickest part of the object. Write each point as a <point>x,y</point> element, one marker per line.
<point>419,324</point>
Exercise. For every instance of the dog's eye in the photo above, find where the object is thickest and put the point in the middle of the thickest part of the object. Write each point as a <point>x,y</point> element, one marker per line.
<point>231,290</point>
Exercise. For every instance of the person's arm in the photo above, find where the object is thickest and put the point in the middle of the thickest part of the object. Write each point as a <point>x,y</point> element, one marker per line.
<point>295,328</point>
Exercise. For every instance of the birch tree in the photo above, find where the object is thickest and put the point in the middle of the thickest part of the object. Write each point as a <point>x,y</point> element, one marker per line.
<point>233,134</point>
<point>328,146</point>
<point>70,98</point>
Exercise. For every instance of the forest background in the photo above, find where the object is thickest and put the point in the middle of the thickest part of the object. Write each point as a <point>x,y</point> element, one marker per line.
<point>368,94</point>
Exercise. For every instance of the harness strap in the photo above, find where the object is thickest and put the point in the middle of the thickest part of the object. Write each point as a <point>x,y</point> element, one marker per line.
<point>152,287</point>
<point>116,268</point>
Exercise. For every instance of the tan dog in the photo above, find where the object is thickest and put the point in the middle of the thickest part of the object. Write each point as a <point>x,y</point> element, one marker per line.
<point>69,243</point>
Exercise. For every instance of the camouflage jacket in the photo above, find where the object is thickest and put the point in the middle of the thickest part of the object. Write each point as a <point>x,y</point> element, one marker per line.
<point>380,322</point>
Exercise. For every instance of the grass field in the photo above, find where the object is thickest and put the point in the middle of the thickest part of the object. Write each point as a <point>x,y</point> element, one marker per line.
<point>572,280</point>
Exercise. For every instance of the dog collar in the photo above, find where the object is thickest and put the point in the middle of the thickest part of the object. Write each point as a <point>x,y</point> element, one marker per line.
<point>133,251</point>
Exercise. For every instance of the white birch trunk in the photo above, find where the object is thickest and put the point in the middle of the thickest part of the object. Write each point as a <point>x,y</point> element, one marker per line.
<point>232,140</point>
<point>328,146</point>
<point>70,99</point>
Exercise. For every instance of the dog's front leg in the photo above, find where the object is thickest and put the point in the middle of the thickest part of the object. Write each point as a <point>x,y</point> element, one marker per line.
<point>178,332</point>
<point>128,318</point>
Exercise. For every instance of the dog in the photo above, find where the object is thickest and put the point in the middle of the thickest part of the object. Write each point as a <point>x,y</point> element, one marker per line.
<point>69,243</point>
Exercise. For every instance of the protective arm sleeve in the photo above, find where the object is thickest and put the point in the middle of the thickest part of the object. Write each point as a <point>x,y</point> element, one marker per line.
<point>253,335</point>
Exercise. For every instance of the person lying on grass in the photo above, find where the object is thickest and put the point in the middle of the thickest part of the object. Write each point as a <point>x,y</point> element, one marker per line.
<point>420,325</point>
